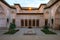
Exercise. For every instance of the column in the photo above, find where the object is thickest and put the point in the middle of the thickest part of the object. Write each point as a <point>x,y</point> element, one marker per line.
<point>35,22</point>
<point>28,22</point>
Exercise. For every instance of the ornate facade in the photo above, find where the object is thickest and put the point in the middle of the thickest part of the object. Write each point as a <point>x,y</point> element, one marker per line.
<point>46,14</point>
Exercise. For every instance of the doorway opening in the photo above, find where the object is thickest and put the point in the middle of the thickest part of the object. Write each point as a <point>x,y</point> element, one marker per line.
<point>30,23</point>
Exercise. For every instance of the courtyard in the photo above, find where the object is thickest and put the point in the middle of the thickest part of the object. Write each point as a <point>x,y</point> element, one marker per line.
<point>39,35</point>
<point>33,21</point>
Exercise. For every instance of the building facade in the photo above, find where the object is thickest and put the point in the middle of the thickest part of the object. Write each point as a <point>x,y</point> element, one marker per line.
<point>46,14</point>
<point>53,10</point>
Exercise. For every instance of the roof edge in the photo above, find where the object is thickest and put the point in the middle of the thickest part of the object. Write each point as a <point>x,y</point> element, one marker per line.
<point>31,7</point>
<point>7,4</point>
<point>51,4</point>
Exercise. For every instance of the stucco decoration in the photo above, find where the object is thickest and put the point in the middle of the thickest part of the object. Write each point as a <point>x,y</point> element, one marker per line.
<point>57,18</point>
<point>1,11</point>
<point>58,9</point>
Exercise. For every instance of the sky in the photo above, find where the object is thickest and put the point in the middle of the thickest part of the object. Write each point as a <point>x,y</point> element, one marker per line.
<point>27,3</point>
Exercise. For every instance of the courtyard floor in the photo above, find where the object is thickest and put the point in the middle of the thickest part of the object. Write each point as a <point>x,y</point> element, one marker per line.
<point>20,35</point>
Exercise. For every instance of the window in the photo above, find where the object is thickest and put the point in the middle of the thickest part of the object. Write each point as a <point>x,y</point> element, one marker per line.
<point>52,21</point>
<point>7,20</point>
<point>13,21</point>
<point>46,21</point>
<point>22,22</point>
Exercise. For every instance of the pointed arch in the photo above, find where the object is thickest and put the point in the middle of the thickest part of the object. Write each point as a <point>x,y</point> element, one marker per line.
<point>57,18</point>
<point>58,10</point>
<point>57,14</point>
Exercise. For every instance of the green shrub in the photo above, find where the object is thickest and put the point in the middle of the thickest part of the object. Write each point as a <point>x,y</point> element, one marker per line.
<point>12,26</point>
<point>47,31</point>
<point>46,27</point>
<point>12,29</point>
<point>11,32</point>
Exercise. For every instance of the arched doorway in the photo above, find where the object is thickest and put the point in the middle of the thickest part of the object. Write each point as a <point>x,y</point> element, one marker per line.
<point>57,18</point>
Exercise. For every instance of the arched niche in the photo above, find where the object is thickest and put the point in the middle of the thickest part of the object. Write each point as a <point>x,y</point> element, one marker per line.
<point>57,14</point>
<point>57,18</point>
<point>57,11</point>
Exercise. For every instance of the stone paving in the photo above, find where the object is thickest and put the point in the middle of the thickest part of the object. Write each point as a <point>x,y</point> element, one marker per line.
<point>37,30</point>
<point>39,35</point>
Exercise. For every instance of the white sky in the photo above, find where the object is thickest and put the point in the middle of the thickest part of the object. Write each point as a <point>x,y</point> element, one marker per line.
<point>27,3</point>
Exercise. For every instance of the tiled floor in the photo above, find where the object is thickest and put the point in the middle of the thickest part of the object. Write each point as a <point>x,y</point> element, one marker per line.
<point>40,35</point>
<point>36,30</point>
